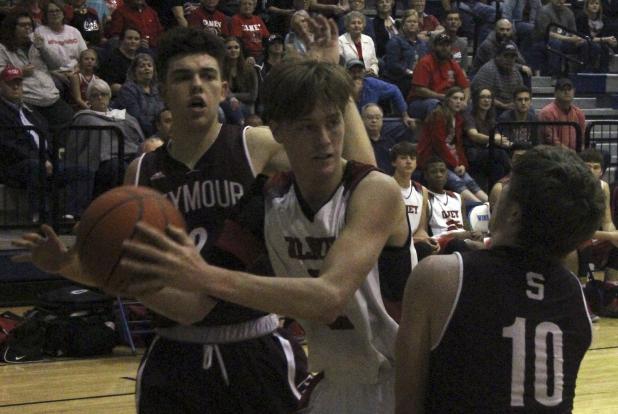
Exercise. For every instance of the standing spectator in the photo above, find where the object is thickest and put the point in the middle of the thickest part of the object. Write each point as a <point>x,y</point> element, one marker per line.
<point>250,29</point>
<point>442,137</point>
<point>86,20</point>
<point>140,94</point>
<point>459,47</point>
<point>434,74</point>
<point>562,109</point>
<point>355,45</point>
<point>39,89</point>
<point>429,24</point>
<point>137,14</point>
<point>62,43</point>
<point>523,15</point>
<point>500,76</point>
<point>591,22</point>
<point>382,26</point>
<point>403,53</point>
<point>242,83</point>
<point>209,18</point>
<point>115,64</point>
<point>503,32</point>
<point>522,112</point>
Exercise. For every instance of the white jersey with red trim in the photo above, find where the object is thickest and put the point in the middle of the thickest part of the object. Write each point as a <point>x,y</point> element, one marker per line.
<point>445,213</point>
<point>413,199</point>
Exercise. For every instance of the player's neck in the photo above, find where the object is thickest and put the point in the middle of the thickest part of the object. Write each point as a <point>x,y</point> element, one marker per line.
<point>317,190</point>
<point>193,143</point>
<point>403,180</point>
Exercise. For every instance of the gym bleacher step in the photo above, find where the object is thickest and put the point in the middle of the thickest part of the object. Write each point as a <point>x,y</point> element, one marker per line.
<point>542,82</point>
<point>583,103</point>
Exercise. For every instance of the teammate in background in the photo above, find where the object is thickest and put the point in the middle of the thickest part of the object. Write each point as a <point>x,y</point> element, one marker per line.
<point>231,359</point>
<point>447,218</point>
<point>505,329</point>
<point>324,226</point>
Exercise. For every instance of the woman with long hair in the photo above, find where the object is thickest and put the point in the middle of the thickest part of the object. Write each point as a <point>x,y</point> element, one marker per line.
<point>242,82</point>
<point>442,136</point>
<point>590,21</point>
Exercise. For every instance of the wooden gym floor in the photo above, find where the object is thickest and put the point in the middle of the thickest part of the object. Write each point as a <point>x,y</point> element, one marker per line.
<point>107,385</point>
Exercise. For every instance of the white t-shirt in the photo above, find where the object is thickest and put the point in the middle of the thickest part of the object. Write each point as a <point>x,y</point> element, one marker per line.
<point>63,48</point>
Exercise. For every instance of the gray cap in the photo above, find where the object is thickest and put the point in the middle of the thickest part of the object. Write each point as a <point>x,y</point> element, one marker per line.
<point>354,62</point>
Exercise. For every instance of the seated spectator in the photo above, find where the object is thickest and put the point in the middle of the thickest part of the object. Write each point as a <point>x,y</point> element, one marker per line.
<point>86,20</point>
<point>550,63</point>
<point>359,6</point>
<point>172,13</point>
<point>435,73</point>
<point>164,125</point>
<point>83,77</point>
<point>485,16</point>
<point>522,112</point>
<point>382,27</point>
<point>140,94</point>
<point>368,89</point>
<point>459,45</point>
<point>429,24</point>
<point>442,136</point>
<point>138,15</point>
<point>115,64</point>
<point>294,44</point>
<point>355,45</point>
<point>250,29</point>
<point>479,122</point>
<point>500,76</point>
<point>103,12</point>
<point>39,89</point>
<point>60,42</point>
<point>33,8</point>
<point>334,9</point>
<point>403,53</point>
<point>242,83</point>
<point>97,150</point>
<point>563,110</point>
<point>591,22</point>
<point>279,12</point>
<point>209,18</point>
<point>274,54</point>
<point>20,150</point>
<point>373,119</point>
<point>523,15</point>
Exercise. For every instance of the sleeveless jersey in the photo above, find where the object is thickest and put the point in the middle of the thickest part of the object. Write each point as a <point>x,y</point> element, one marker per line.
<point>205,195</point>
<point>413,199</point>
<point>516,336</point>
<point>445,213</point>
<point>358,346</point>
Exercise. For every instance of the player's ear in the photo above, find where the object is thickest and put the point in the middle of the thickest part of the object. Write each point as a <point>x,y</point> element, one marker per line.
<point>224,91</point>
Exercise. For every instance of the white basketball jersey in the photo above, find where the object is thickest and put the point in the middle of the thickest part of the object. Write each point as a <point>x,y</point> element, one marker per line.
<point>359,345</point>
<point>445,212</point>
<point>413,199</point>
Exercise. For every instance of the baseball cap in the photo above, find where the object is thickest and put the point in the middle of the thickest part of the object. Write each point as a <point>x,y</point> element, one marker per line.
<point>507,48</point>
<point>10,73</point>
<point>562,82</point>
<point>354,62</point>
<point>273,38</point>
<point>441,38</point>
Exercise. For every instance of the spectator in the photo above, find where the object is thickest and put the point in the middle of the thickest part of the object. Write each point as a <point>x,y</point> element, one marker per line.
<point>500,76</point>
<point>294,45</point>
<point>591,22</point>
<point>137,14</point>
<point>103,12</point>
<point>403,53</point>
<point>359,6</point>
<point>32,8</point>
<point>116,63</point>
<point>442,136</point>
<point>434,74</point>
<point>459,47</point>
<point>61,43</point>
<point>523,15</point>
<point>368,89</point>
<point>96,149</point>
<point>242,83</point>
<point>86,20</point>
<point>373,118</point>
<point>275,52</point>
<point>334,9</point>
<point>479,123</point>
<point>172,13</point>
<point>140,94</point>
<point>355,45</point>
<point>485,16</point>
<point>164,125</point>
<point>522,112</point>
<point>209,18</point>
<point>562,109</point>
<point>39,90</point>
<point>280,12</point>
<point>382,27</point>
<point>429,24</point>
<point>250,29</point>
<point>83,77</point>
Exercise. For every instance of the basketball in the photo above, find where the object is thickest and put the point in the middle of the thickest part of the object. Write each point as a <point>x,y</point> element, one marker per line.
<point>110,219</point>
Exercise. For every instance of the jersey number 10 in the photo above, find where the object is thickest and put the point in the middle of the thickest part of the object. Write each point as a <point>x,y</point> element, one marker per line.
<point>517,332</point>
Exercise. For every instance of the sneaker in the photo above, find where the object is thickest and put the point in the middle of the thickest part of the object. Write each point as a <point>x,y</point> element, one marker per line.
<point>593,316</point>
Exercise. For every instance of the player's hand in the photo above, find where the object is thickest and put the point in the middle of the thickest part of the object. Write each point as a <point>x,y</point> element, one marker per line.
<point>46,251</point>
<point>37,40</point>
<point>153,260</point>
<point>410,123</point>
<point>322,39</point>
<point>27,70</point>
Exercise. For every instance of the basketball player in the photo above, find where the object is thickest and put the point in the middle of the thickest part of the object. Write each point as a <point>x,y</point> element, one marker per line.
<point>231,360</point>
<point>505,329</point>
<point>324,227</point>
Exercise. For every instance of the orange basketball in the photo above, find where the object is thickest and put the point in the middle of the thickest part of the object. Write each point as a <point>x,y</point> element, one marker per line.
<point>111,218</point>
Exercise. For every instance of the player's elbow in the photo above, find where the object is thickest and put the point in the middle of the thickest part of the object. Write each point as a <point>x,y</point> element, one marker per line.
<point>333,307</point>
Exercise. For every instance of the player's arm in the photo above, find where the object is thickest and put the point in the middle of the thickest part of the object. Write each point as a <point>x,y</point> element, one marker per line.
<point>428,299</point>
<point>494,195</point>
<point>421,233</point>
<point>375,216</point>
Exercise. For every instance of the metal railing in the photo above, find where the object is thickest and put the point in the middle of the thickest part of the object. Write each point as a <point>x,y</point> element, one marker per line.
<point>603,136</point>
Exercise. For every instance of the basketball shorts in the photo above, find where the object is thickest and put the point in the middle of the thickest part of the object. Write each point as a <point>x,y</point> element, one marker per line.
<point>254,376</point>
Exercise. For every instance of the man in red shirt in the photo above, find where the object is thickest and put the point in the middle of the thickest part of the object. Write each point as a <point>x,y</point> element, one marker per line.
<point>250,29</point>
<point>207,17</point>
<point>136,14</point>
<point>435,73</point>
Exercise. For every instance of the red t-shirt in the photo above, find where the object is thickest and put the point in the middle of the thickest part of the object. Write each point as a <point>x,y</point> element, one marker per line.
<point>251,31</point>
<point>438,77</point>
<point>429,23</point>
<point>146,21</point>
<point>215,21</point>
